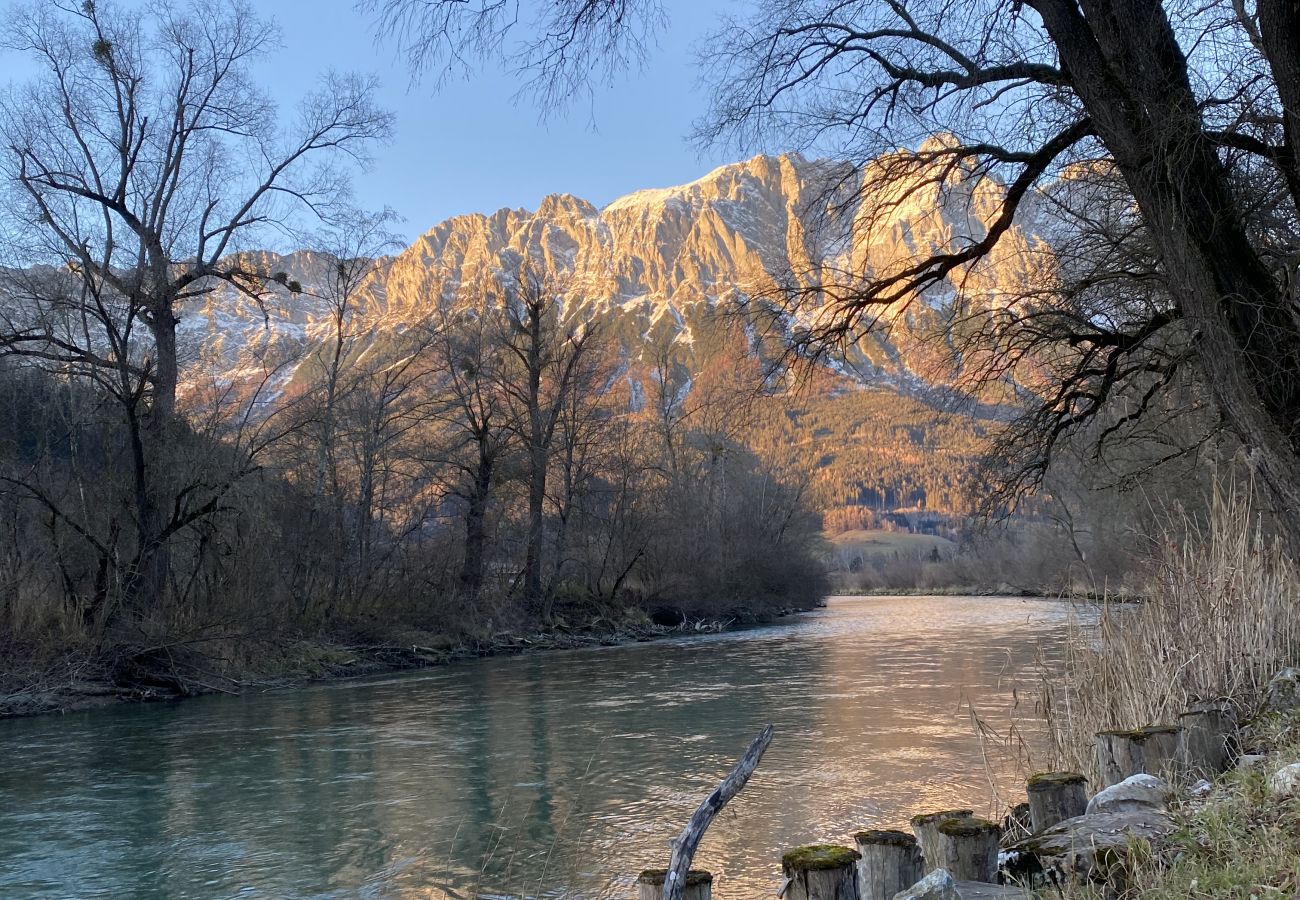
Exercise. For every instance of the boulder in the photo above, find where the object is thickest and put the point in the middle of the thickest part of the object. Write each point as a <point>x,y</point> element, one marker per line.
<point>1087,847</point>
<point>1283,692</point>
<point>938,885</point>
<point>1286,780</point>
<point>1137,792</point>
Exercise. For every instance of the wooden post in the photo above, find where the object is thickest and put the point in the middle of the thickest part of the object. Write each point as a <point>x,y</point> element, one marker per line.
<point>968,848</point>
<point>1055,797</point>
<point>926,828</point>
<point>697,886</point>
<point>890,861</point>
<point>1153,750</point>
<point>1209,732</point>
<point>820,872</point>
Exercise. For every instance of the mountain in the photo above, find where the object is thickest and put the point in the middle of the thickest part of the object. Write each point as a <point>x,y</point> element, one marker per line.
<point>657,266</point>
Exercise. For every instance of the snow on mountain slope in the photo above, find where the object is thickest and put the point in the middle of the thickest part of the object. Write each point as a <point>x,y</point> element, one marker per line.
<point>656,263</point>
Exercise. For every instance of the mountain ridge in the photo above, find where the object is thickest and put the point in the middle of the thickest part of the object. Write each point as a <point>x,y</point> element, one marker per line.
<point>658,263</point>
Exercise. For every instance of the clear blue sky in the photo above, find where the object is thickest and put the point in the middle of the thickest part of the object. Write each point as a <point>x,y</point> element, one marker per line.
<point>468,147</point>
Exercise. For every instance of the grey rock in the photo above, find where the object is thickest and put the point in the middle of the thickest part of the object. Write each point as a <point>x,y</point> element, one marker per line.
<point>1286,780</point>
<point>1081,848</point>
<point>1201,789</point>
<point>1251,761</point>
<point>938,885</point>
<point>1283,691</point>
<point>1137,792</point>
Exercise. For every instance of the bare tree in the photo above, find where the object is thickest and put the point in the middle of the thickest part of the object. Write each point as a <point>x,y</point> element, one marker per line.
<point>137,164</point>
<point>474,429</point>
<point>559,48</point>
<point>1190,115</point>
<point>347,256</point>
<point>549,350</point>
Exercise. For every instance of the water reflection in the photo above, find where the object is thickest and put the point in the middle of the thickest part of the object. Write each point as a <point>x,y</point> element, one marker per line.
<point>548,776</point>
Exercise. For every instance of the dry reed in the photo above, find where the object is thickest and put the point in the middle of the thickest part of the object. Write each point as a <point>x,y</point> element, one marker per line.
<point>1221,616</point>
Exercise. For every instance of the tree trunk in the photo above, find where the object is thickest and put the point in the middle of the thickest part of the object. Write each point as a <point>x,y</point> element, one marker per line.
<point>1153,750</point>
<point>926,829</point>
<point>1209,738</point>
<point>1055,797</point>
<point>153,453</point>
<point>471,573</point>
<point>1128,68</point>
<point>536,506</point>
<point>821,872</point>
<point>968,849</point>
<point>890,862</point>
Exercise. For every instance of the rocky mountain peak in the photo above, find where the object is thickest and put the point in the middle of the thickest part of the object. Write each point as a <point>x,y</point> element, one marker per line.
<point>659,262</point>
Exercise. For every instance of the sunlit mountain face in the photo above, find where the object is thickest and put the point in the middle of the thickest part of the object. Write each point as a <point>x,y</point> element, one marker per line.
<point>667,272</point>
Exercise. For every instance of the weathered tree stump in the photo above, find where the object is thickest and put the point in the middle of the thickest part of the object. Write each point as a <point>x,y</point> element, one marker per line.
<point>1152,750</point>
<point>968,848</point>
<point>1055,797</point>
<point>890,862</point>
<point>699,885</point>
<point>926,828</point>
<point>1209,733</point>
<point>821,872</point>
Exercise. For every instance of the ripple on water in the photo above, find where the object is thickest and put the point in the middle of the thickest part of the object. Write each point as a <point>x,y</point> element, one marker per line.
<point>557,775</point>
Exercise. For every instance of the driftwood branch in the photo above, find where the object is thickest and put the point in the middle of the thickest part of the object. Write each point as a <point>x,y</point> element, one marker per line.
<point>689,840</point>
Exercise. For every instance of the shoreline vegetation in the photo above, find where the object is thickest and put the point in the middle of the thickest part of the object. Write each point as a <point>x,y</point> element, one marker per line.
<point>290,663</point>
<point>286,663</point>
<point>1219,625</point>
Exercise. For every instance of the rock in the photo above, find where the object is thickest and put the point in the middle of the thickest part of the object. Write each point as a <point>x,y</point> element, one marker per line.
<point>1201,789</point>
<point>1087,847</point>
<point>1251,761</point>
<point>1286,780</point>
<point>1137,792</point>
<point>938,885</point>
<point>1283,692</point>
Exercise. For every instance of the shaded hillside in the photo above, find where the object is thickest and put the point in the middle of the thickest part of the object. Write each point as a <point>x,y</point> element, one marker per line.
<point>872,453</point>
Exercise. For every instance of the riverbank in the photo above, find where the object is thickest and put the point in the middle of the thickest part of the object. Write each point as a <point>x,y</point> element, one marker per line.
<point>1075,596</point>
<point>226,665</point>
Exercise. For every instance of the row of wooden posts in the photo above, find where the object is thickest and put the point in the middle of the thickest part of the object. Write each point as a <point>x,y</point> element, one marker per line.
<point>881,863</point>
<point>884,862</point>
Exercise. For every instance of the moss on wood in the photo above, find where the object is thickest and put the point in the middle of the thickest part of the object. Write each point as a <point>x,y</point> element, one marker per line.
<point>931,818</point>
<point>966,827</point>
<point>694,877</point>
<point>819,856</point>
<point>1046,780</point>
<point>889,837</point>
<point>1139,735</point>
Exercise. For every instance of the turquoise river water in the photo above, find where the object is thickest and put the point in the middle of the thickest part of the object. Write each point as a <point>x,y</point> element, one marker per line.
<point>554,775</point>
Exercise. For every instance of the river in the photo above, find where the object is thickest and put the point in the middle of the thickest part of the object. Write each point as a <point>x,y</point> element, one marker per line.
<point>553,775</point>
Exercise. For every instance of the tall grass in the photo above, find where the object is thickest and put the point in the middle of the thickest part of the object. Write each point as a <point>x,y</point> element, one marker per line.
<point>1221,616</point>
